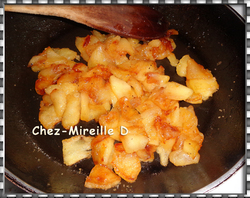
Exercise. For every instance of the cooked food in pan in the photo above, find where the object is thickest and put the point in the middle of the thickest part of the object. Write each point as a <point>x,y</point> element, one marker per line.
<point>120,86</point>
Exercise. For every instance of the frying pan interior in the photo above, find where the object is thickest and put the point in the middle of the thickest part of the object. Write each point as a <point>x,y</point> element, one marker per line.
<point>211,34</point>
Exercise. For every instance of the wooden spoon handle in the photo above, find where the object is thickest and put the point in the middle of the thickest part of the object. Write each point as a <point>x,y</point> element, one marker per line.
<point>65,11</point>
<point>135,21</point>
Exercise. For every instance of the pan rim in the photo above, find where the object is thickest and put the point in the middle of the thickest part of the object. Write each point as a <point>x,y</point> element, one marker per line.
<point>20,183</point>
<point>215,184</point>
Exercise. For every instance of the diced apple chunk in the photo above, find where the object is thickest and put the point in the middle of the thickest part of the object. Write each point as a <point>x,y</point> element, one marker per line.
<point>59,100</point>
<point>173,60</point>
<point>204,87</point>
<point>66,52</point>
<point>98,57</point>
<point>176,91</point>
<point>120,87</point>
<point>90,111</point>
<point>76,148</point>
<point>48,117</point>
<point>181,67</point>
<point>191,148</point>
<point>196,71</point>
<point>126,165</point>
<point>102,150</point>
<point>102,177</point>
<point>134,142</point>
<point>71,115</point>
<point>200,80</point>
<point>148,118</point>
<point>180,158</point>
<point>164,149</point>
<point>85,107</point>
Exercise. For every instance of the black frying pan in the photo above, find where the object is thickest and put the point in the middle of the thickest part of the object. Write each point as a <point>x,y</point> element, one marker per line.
<point>212,34</point>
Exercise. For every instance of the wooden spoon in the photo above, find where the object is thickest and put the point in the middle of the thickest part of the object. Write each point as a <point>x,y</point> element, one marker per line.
<point>136,21</point>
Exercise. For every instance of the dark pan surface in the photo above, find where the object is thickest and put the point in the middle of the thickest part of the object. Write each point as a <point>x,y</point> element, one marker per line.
<point>212,34</point>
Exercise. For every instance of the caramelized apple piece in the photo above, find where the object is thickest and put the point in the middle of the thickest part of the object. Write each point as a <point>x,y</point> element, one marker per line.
<point>102,177</point>
<point>126,165</point>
